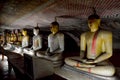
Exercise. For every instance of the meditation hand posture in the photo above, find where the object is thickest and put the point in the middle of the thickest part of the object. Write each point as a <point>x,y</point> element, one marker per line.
<point>55,44</point>
<point>99,49</point>
<point>37,42</point>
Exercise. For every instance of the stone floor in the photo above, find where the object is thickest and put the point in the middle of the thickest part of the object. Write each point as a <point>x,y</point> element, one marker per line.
<point>71,73</point>
<point>4,72</point>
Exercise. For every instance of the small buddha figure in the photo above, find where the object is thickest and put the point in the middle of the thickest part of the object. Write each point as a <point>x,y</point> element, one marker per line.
<point>8,41</point>
<point>25,39</point>
<point>37,42</point>
<point>98,44</point>
<point>11,38</point>
<point>17,41</point>
<point>55,44</point>
<point>14,37</point>
<point>4,44</point>
<point>19,37</point>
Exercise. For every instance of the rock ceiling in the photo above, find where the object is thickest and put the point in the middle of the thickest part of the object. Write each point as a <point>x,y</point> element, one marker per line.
<point>71,14</point>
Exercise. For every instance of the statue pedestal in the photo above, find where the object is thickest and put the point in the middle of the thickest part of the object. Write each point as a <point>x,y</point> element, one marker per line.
<point>71,73</point>
<point>36,67</point>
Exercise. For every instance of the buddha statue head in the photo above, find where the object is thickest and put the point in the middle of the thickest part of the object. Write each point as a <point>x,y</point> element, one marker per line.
<point>36,31</point>
<point>24,32</point>
<point>54,27</point>
<point>94,22</point>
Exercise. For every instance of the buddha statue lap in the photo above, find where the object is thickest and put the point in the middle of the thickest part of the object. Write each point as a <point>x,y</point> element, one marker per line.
<point>55,46</point>
<point>99,49</point>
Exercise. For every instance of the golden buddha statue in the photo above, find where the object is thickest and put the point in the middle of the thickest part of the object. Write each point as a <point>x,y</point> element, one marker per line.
<point>11,38</point>
<point>98,44</point>
<point>25,39</point>
<point>19,36</point>
<point>14,37</point>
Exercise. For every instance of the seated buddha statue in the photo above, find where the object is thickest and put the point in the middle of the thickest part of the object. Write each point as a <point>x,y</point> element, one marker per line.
<point>7,37</point>
<point>37,42</point>
<point>2,45</point>
<point>25,39</point>
<point>95,50</point>
<point>25,42</point>
<point>13,37</point>
<point>5,43</point>
<point>19,37</point>
<point>55,45</point>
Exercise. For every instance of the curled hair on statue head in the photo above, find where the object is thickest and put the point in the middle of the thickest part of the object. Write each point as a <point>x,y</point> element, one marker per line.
<point>55,23</point>
<point>24,29</point>
<point>94,15</point>
<point>37,28</point>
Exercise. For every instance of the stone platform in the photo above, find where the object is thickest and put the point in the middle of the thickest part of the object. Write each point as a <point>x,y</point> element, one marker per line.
<point>71,73</point>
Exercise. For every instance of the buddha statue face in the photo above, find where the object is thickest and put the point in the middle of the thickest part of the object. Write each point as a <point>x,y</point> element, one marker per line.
<point>36,32</point>
<point>54,29</point>
<point>94,24</point>
<point>24,32</point>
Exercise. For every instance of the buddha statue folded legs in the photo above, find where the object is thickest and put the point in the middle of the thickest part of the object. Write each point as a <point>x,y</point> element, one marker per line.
<point>98,44</point>
<point>104,68</point>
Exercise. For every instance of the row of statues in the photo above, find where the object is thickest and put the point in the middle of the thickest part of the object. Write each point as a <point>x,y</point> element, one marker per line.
<point>12,37</point>
<point>95,48</point>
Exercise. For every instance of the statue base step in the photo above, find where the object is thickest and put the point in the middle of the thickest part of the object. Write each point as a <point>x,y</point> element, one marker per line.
<point>72,73</point>
<point>36,68</point>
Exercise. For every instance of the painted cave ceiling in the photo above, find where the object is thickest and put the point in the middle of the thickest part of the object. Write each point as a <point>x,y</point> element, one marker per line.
<point>71,14</point>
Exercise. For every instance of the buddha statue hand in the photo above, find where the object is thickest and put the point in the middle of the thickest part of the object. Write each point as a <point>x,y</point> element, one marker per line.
<point>88,61</point>
<point>48,53</point>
